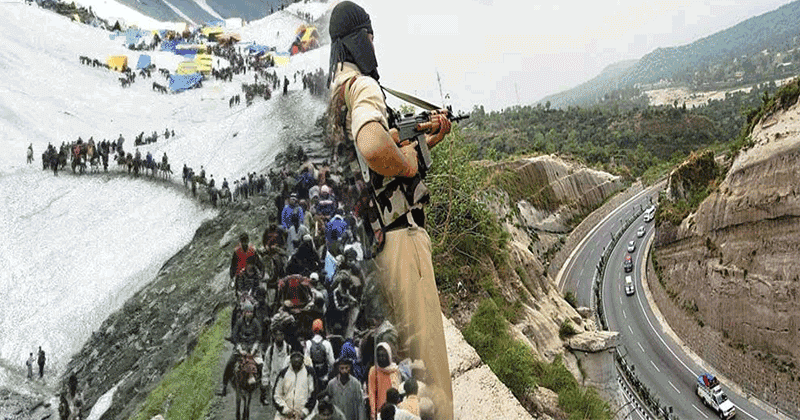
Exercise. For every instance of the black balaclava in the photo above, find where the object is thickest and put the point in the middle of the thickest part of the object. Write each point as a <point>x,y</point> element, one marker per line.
<point>349,26</point>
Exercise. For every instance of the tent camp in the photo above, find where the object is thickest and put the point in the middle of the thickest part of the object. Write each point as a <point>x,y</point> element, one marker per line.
<point>306,38</point>
<point>204,63</point>
<point>190,49</point>
<point>181,82</point>
<point>117,62</point>
<point>211,32</point>
<point>279,58</point>
<point>144,61</point>
<point>229,38</point>
<point>169,45</point>
<point>133,36</point>
<point>187,67</point>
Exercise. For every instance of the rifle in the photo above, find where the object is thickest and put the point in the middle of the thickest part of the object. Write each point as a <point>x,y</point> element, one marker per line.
<point>414,127</point>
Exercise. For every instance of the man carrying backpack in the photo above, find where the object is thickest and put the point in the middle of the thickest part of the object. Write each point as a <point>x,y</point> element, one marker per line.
<point>320,351</point>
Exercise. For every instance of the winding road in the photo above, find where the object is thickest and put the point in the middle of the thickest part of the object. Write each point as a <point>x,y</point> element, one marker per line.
<point>660,363</point>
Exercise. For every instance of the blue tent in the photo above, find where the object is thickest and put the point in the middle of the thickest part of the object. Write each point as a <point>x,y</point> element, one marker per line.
<point>144,61</point>
<point>178,82</point>
<point>214,23</point>
<point>132,36</point>
<point>256,49</point>
<point>169,45</point>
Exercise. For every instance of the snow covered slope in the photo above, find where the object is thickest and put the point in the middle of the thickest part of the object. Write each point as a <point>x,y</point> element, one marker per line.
<point>72,249</point>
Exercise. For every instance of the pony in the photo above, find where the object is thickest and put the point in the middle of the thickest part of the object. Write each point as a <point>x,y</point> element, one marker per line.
<point>166,171</point>
<point>159,88</point>
<point>95,164</point>
<point>225,196</point>
<point>79,158</point>
<point>245,381</point>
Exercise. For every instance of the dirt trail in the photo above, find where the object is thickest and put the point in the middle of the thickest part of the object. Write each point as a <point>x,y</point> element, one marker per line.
<point>225,407</point>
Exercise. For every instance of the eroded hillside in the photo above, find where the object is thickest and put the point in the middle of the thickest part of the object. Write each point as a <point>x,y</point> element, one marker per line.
<point>733,264</point>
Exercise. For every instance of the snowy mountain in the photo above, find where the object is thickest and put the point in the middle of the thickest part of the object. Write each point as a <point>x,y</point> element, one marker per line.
<point>73,248</point>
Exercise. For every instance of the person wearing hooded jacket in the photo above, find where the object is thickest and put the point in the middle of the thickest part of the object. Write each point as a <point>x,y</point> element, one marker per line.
<point>382,376</point>
<point>404,262</point>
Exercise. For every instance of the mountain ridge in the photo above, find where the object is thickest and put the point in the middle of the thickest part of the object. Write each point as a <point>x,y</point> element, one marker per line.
<point>751,51</point>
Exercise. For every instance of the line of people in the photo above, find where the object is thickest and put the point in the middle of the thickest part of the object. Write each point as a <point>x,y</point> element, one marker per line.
<point>307,307</point>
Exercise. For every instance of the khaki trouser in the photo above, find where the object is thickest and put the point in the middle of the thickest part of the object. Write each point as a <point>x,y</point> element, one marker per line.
<point>409,287</point>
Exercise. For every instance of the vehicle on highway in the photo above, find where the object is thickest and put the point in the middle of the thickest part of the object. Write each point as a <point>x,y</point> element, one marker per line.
<point>629,288</point>
<point>631,246</point>
<point>710,391</point>
<point>628,264</point>
<point>640,232</point>
<point>649,213</point>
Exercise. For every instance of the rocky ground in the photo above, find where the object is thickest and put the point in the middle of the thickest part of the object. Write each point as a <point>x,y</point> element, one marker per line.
<point>756,375</point>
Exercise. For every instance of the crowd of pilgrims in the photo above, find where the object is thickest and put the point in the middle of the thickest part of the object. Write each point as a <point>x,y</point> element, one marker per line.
<point>306,302</point>
<point>308,308</point>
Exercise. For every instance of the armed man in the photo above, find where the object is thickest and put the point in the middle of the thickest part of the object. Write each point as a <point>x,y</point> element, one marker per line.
<point>401,246</point>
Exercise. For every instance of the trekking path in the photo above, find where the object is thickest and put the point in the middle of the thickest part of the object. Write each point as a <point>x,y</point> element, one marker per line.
<point>225,407</point>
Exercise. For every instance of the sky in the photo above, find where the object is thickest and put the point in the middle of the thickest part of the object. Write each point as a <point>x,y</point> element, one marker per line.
<point>503,53</point>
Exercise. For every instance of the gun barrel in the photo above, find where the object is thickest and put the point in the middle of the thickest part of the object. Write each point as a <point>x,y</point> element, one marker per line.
<point>459,118</point>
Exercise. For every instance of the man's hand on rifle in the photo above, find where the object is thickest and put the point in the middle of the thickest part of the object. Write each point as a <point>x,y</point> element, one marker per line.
<point>441,121</point>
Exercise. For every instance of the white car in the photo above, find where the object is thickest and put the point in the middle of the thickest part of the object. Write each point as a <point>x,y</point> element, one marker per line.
<point>649,213</point>
<point>631,246</point>
<point>629,288</point>
<point>640,232</point>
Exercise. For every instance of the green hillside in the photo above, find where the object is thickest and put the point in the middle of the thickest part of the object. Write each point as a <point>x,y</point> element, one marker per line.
<point>760,49</point>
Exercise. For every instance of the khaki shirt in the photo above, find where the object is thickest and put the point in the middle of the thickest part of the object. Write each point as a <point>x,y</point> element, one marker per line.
<point>365,97</point>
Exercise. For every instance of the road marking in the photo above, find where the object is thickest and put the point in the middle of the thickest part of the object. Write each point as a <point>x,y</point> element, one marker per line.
<point>673,387</point>
<point>654,365</point>
<point>675,355</point>
<point>623,314</point>
<point>640,346</point>
<point>582,271</point>
<point>698,410</point>
<point>631,329</point>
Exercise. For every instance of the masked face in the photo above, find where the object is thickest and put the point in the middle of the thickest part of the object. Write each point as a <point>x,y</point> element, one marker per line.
<point>382,357</point>
<point>297,362</point>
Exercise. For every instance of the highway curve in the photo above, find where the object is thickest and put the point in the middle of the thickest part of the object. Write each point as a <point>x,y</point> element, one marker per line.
<point>659,362</point>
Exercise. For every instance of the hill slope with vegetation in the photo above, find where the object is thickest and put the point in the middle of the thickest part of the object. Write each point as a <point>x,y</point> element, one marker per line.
<point>619,136</point>
<point>757,50</point>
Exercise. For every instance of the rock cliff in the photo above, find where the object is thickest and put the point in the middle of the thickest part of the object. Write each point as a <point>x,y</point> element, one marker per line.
<point>734,263</point>
<point>539,200</point>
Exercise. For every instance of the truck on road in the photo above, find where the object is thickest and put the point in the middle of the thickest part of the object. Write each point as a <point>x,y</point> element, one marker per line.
<point>710,391</point>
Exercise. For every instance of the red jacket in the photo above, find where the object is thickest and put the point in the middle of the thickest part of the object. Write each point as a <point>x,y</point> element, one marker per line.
<point>239,260</point>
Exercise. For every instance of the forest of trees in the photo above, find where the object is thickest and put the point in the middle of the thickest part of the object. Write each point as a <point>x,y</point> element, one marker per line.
<point>620,135</point>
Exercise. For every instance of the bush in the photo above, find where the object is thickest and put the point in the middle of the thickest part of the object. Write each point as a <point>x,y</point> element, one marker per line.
<point>566,329</point>
<point>487,331</point>
<point>467,239</point>
<point>516,365</point>
<point>571,299</point>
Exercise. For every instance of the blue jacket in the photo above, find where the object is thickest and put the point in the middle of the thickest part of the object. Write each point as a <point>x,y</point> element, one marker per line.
<point>286,216</point>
